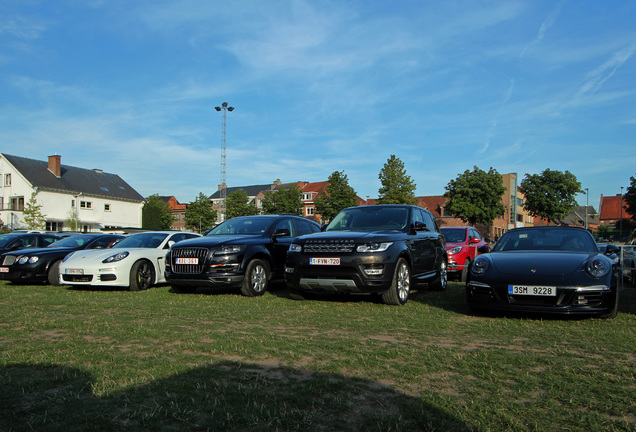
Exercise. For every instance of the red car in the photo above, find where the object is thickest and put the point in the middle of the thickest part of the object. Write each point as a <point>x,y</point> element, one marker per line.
<point>461,245</point>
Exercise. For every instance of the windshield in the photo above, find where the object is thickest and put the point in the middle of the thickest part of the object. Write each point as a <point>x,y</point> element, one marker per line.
<point>247,226</point>
<point>142,240</point>
<point>75,241</point>
<point>5,239</point>
<point>370,219</point>
<point>551,238</point>
<point>453,235</point>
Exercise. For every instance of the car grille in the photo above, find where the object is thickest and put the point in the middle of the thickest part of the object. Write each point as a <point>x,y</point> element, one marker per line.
<point>329,246</point>
<point>200,253</point>
<point>77,278</point>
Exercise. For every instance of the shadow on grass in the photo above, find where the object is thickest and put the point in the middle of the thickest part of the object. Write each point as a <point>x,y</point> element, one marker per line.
<point>226,396</point>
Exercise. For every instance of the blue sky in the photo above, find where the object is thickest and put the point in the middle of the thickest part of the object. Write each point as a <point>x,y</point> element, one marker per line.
<point>321,86</point>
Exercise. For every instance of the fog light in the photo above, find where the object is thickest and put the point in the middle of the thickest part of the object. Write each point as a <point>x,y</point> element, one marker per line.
<point>373,269</point>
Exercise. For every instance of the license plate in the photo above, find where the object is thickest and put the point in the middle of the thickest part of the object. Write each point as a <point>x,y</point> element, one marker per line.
<point>4,269</point>
<point>324,261</point>
<point>532,290</point>
<point>187,261</point>
<point>74,271</point>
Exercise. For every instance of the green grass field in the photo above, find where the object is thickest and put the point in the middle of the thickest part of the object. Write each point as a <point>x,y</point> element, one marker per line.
<point>76,359</point>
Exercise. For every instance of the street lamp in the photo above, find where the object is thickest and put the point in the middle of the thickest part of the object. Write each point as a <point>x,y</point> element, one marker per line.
<point>587,203</point>
<point>224,108</point>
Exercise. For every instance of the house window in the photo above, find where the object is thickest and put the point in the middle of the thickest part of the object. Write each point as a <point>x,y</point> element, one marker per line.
<point>7,179</point>
<point>307,196</point>
<point>106,207</point>
<point>86,205</point>
<point>17,203</point>
<point>310,211</point>
<point>54,226</point>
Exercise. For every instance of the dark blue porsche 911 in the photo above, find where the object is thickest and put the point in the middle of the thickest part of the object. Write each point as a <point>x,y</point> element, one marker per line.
<point>545,270</point>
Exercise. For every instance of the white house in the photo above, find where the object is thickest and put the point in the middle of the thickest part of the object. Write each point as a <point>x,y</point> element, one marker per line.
<point>97,200</point>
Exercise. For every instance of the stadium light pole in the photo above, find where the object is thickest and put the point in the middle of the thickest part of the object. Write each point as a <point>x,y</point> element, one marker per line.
<point>224,108</point>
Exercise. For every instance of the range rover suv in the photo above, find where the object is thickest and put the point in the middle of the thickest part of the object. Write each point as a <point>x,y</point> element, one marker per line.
<point>379,249</point>
<point>243,252</point>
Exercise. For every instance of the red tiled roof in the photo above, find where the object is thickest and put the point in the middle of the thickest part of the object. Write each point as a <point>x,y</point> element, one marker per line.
<point>315,187</point>
<point>611,208</point>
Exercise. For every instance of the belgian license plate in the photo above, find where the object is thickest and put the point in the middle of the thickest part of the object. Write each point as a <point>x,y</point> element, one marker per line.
<point>324,261</point>
<point>532,290</point>
<point>4,269</point>
<point>74,271</point>
<point>187,261</point>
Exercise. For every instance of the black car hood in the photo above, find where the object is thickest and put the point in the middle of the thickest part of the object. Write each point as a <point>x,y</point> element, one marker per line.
<point>540,263</point>
<point>215,240</point>
<point>352,235</point>
<point>38,251</point>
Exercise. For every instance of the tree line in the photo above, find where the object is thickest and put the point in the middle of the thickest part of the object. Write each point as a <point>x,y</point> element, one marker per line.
<point>474,196</point>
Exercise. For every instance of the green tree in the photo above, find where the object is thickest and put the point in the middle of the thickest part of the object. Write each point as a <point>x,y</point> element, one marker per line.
<point>284,200</point>
<point>475,196</point>
<point>33,217</point>
<point>156,214</point>
<point>339,195</point>
<point>551,194</point>
<point>397,186</point>
<point>200,215</point>
<point>629,199</point>
<point>72,220</point>
<point>238,205</point>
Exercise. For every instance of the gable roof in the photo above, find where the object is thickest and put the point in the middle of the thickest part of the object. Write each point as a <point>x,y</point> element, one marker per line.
<point>611,208</point>
<point>251,191</point>
<point>73,180</point>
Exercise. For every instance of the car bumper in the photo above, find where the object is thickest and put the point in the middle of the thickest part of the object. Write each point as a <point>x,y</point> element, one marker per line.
<point>575,300</point>
<point>354,274</point>
<point>23,273</point>
<point>96,276</point>
<point>207,280</point>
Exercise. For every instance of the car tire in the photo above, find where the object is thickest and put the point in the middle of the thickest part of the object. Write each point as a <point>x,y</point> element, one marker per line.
<point>398,293</point>
<point>256,278</point>
<point>183,289</point>
<point>441,281</point>
<point>142,276</point>
<point>464,274</point>
<point>53,276</point>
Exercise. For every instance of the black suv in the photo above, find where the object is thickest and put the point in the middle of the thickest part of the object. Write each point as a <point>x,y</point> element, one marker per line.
<point>370,249</point>
<point>243,252</point>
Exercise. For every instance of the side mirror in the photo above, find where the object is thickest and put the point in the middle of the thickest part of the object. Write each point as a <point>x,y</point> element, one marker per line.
<point>474,240</point>
<point>420,226</point>
<point>612,249</point>
<point>483,249</point>
<point>283,232</point>
<point>323,227</point>
<point>170,243</point>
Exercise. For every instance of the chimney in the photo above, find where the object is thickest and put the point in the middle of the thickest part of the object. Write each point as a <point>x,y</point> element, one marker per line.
<point>55,165</point>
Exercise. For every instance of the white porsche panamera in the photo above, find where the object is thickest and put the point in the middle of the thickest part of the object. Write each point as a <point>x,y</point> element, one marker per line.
<point>136,262</point>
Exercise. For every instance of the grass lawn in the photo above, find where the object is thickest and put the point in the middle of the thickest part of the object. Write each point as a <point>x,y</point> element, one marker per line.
<point>76,359</point>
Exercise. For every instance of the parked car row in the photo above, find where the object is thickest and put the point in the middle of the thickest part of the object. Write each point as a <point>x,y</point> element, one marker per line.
<point>380,250</point>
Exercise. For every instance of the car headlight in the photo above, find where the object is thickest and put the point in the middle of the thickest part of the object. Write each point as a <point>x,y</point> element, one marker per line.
<point>374,247</point>
<point>24,259</point>
<point>295,248</point>
<point>455,250</point>
<point>480,266</point>
<point>598,267</point>
<point>117,257</point>
<point>229,249</point>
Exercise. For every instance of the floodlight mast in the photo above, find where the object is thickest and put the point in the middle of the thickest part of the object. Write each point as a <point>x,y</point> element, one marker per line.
<point>224,108</point>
